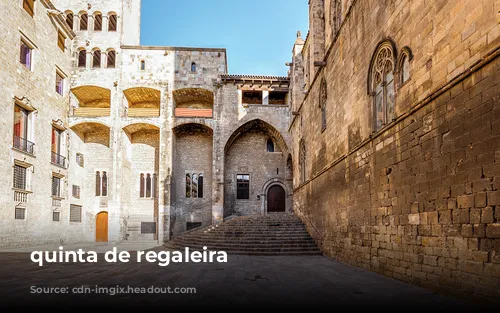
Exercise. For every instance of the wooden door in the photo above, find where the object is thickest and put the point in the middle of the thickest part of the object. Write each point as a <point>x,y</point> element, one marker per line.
<point>101,227</point>
<point>276,199</point>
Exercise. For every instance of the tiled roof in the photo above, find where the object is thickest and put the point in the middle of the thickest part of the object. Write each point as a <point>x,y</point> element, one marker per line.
<point>255,77</point>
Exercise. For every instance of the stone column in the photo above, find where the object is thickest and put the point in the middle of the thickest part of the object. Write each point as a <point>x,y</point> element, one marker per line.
<point>165,168</point>
<point>115,175</point>
<point>218,163</point>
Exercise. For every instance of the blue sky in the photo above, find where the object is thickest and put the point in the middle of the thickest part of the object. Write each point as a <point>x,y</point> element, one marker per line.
<point>258,34</point>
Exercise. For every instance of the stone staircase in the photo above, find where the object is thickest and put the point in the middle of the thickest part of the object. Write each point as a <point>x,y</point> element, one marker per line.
<point>272,234</point>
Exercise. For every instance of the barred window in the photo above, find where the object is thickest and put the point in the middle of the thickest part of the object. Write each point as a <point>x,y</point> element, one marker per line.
<point>20,213</point>
<point>242,186</point>
<point>75,213</point>
<point>19,177</point>
<point>76,192</point>
<point>56,216</point>
<point>56,186</point>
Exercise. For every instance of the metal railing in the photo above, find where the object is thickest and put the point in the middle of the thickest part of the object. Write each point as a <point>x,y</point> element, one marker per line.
<point>20,196</point>
<point>23,144</point>
<point>58,159</point>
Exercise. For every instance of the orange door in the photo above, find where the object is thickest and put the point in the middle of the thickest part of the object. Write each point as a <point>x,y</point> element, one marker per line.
<point>101,227</point>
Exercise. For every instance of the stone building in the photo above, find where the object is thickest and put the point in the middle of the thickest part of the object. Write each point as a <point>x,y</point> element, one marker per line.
<point>147,141</point>
<point>396,138</point>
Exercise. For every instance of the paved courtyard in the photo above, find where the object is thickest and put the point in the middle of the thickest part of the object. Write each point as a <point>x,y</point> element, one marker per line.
<point>283,281</point>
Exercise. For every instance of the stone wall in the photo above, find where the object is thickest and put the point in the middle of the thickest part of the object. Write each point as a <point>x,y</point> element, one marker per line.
<point>417,200</point>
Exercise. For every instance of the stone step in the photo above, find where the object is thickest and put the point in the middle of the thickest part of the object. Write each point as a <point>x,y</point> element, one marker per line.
<point>250,249</point>
<point>245,245</point>
<point>246,241</point>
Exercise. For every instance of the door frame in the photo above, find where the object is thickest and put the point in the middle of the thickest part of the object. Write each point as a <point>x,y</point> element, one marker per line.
<point>265,191</point>
<point>107,225</point>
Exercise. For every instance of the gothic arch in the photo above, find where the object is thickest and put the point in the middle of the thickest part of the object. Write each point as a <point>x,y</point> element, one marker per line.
<point>384,44</point>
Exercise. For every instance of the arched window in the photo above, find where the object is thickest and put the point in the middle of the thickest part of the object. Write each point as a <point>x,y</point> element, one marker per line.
<point>200,186</point>
<point>97,183</point>
<point>96,59</point>
<point>154,184</point>
<point>69,19</point>
<point>143,65</point>
<point>148,186</point>
<point>404,65</point>
<point>84,21</point>
<point>322,103</point>
<point>302,160</point>
<point>336,15</point>
<point>112,22</point>
<point>381,85</point>
<point>82,58</point>
<point>104,185</point>
<point>188,185</point>
<point>111,59</point>
<point>141,186</point>
<point>193,67</point>
<point>194,185</point>
<point>270,145</point>
<point>97,22</point>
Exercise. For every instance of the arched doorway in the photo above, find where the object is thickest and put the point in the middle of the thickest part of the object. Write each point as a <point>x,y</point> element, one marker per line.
<point>101,227</point>
<point>276,199</point>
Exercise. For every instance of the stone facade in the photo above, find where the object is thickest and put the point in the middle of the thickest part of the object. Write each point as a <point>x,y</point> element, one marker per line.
<point>135,120</point>
<point>415,198</point>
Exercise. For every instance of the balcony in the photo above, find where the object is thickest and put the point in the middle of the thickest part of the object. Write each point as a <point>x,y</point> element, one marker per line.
<point>23,145</point>
<point>58,159</point>
<point>21,196</point>
<point>187,112</point>
<point>143,112</point>
<point>91,112</point>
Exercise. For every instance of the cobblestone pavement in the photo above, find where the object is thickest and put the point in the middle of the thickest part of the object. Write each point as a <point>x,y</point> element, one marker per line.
<point>285,281</point>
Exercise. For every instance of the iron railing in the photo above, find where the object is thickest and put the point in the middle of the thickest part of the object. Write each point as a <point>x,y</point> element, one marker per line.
<point>58,159</point>
<point>23,144</point>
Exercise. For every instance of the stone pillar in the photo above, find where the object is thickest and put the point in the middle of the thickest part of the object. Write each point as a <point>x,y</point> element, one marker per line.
<point>115,175</point>
<point>218,163</point>
<point>88,60</point>
<point>165,168</point>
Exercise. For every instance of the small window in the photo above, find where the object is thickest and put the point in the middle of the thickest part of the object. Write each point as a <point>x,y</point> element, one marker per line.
<point>147,185</point>
<point>97,183</point>
<point>252,97</point>
<point>194,185</point>
<point>111,59</point>
<point>69,20</point>
<point>322,103</point>
<point>20,213</point>
<point>84,21</point>
<point>101,184</point>
<point>56,216</point>
<point>57,158</point>
<point>60,40</point>
<point>104,185</point>
<point>405,69</point>
<point>270,145</point>
<point>82,58</point>
<point>112,23</point>
<point>242,186</point>
<point>302,160</point>
<point>20,177</point>
<point>22,130</point>
<point>143,65</point>
<point>98,22</point>
<point>56,186</point>
<point>76,192</point>
<point>96,59</point>
<point>193,67</point>
<point>277,97</point>
<point>59,84</point>
<point>79,159</point>
<point>29,6</point>
<point>75,213</point>
<point>26,55</point>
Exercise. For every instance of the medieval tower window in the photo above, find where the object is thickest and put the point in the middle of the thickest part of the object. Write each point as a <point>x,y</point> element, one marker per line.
<point>143,65</point>
<point>101,184</point>
<point>302,160</point>
<point>29,6</point>
<point>270,145</point>
<point>69,19</point>
<point>193,67</point>
<point>96,59</point>
<point>97,22</point>
<point>82,58</point>
<point>194,185</point>
<point>322,103</point>
<point>59,83</point>
<point>336,15</point>
<point>111,63</point>
<point>404,65</point>
<point>242,186</point>
<point>26,56</point>
<point>112,22</point>
<point>147,185</point>
<point>381,85</point>
<point>84,21</point>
